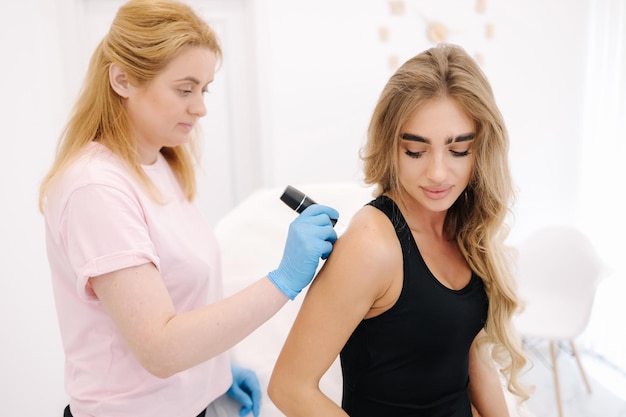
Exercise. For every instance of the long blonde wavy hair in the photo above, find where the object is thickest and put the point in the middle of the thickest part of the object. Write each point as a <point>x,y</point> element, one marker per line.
<point>143,38</point>
<point>477,219</point>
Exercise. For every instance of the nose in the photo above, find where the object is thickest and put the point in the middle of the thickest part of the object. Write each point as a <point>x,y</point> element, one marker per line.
<point>437,169</point>
<point>198,107</point>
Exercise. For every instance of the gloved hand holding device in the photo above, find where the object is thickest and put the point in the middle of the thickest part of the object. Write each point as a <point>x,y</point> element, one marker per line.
<point>310,237</point>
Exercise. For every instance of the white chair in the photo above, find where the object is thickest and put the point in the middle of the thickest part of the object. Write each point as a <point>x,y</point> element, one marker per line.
<point>558,273</point>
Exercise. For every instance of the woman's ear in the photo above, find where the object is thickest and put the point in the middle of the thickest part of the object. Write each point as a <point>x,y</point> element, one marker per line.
<point>118,80</point>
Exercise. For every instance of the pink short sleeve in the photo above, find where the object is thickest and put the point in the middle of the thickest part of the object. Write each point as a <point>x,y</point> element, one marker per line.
<point>103,230</point>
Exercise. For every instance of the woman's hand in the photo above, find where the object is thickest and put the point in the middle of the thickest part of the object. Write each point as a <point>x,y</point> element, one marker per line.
<point>311,237</point>
<point>245,390</point>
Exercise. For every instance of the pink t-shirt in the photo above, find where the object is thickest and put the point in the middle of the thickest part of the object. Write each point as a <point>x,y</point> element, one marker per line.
<point>100,219</point>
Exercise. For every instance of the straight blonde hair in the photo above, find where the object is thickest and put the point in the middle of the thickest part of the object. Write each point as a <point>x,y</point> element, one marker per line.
<point>143,38</point>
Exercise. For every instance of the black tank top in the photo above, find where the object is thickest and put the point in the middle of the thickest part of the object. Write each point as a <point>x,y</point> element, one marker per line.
<point>412,360</point>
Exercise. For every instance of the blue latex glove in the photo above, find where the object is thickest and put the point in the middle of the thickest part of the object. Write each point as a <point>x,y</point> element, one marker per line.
<point>245,390</point>
<point>311,237</point>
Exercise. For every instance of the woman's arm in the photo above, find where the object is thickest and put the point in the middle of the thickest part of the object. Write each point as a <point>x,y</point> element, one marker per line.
<point>352,281</point>
<point>165,342</point>
<point>486,391</point>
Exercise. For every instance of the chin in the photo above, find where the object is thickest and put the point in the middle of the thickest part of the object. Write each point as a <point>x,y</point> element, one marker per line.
<point>180,142</point>
<point>439,206</point>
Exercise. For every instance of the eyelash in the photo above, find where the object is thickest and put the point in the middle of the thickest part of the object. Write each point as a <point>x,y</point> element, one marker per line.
<point>454,154</point>
<point>187,92</point>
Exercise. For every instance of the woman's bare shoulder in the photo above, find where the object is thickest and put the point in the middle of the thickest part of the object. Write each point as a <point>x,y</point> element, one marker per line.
<point>372,226</point>
<point>369,244</point>
<point>365,263</point>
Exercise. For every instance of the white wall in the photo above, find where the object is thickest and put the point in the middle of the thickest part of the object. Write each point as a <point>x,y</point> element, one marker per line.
<point>32,105</point>
<point>319,67</point>
<point>321,77</point>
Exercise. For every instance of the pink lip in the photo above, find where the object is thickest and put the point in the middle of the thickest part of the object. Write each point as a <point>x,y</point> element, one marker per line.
<point>186,126</point>
<point>436,193</point>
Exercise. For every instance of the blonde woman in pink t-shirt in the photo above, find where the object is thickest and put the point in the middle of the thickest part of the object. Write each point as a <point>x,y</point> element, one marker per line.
<point>135,267</point>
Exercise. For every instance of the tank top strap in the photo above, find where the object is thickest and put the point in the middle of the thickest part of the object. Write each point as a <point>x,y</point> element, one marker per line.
<point>392,211</point>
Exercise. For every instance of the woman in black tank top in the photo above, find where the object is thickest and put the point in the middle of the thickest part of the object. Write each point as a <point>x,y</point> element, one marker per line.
<point>418,285</point>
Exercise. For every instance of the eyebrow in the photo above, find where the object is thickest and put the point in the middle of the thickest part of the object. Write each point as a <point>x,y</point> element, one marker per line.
<point>189,78</point>
<point>416,138</point>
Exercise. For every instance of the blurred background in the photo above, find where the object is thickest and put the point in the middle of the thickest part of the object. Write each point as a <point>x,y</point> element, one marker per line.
<point>291,104</point>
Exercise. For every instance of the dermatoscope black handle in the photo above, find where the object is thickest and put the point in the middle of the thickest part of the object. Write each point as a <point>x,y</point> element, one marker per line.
<point>298,201</point>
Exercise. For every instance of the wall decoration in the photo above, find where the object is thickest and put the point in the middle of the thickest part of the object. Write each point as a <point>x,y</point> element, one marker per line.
<point>415,25</point>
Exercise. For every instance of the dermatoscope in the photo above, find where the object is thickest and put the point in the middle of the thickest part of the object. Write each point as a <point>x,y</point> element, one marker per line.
<point>298,201</point>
